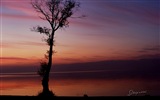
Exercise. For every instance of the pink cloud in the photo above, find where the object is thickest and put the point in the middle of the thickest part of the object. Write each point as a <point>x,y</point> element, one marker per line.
<point>15,44</point>
<point>139,11</point>
<point>13,58</point>
<point>19,16</point>
<point>24,7</point>
<point>124,12</point>
<point>6,45</point>
<point>31,43</point>
<point>84,23</point>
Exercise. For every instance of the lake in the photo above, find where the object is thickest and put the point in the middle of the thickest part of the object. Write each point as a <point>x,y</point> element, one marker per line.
<point>30,84</point>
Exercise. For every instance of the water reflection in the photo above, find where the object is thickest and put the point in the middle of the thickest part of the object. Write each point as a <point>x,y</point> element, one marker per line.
<point>30,84</point>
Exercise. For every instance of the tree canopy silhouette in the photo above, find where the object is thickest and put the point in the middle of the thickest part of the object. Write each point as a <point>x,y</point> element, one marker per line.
<point>56,13</point>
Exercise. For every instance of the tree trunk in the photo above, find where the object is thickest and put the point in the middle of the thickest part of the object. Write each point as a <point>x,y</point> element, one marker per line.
<point>45,79</point>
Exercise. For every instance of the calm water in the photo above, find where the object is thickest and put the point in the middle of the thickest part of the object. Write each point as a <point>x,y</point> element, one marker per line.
<point>30,84</point>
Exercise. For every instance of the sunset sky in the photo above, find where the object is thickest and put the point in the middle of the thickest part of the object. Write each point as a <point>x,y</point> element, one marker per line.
<point>113,30</point>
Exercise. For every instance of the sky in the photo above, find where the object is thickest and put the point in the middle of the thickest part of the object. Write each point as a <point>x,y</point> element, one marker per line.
<point>116,37</point>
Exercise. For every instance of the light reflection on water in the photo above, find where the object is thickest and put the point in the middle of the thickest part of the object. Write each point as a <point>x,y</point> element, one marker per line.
<point>30,84</point>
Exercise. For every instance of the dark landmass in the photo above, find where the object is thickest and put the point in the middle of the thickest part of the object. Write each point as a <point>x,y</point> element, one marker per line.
<point>145,69</point>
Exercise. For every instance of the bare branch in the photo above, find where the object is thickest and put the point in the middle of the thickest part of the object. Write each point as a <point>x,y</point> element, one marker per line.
<point>56,12</point>
<point>38,7</point>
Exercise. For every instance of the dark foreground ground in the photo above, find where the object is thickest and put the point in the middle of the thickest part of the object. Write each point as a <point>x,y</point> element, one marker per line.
<point>8,97</point>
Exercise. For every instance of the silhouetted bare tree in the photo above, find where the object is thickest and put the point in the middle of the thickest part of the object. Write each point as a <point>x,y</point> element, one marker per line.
<point>56,13</point>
